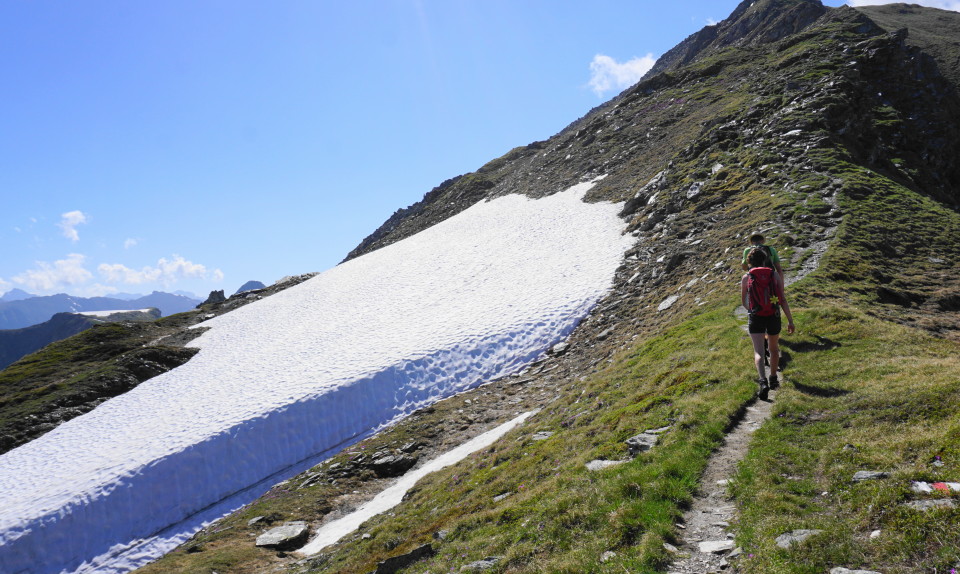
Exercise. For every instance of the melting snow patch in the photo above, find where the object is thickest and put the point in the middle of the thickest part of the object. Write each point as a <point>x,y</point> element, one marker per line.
<point>331,532</point>
<point>305,372</point>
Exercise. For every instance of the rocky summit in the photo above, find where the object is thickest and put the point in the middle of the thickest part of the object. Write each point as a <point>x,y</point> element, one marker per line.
<point>834,132</point>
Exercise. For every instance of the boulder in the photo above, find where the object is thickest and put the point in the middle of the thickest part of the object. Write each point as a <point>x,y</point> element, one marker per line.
<point>595,465</point>
<point>790,538</point>
<point>392,464</point>
<point>642,443</point>
<point>869,475</point>
<point>716,546</point>
<point>290,536</point>
<point>926,505</point>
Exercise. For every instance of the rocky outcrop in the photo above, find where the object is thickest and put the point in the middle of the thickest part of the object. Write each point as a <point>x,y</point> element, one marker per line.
<point>752,22</point>
<point>213,298</point>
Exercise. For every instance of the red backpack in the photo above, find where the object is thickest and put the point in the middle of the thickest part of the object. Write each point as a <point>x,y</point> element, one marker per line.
<point>760,292</point>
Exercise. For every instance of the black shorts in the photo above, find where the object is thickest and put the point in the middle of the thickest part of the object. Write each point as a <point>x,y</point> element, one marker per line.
<point>769,325</point>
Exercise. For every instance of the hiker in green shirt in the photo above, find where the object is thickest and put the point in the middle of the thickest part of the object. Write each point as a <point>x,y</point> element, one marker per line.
<point>756,240</point>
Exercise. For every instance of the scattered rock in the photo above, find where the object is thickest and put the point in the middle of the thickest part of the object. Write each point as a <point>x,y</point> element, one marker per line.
<point>441,535</point>
<point>397,563</point>
<point>671,548</point>
<point>716,546</point>
<point>393,464</point>
<point>842,570</point>
<point>559,349</point>
<point>790,538</point>
<point>642,443</point>
<point>874,535</point>
<point>481,565</point>
<point>595,465</point>
<point>608,556</point>
<point>290,536</point>
<point>926,505</point>
<point>500,497</point>
<point>922,487</point>
<point>542,435</point>
<point>869,475</point>
<point>255,520</point>
<point>667,303</point>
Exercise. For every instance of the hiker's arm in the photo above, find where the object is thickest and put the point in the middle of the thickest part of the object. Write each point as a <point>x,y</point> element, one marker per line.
<point>782,296</point>
<point>743,292</point>
<point>779,269</point>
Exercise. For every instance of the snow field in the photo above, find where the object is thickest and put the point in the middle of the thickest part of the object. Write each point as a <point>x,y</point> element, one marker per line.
<point>301,372</point>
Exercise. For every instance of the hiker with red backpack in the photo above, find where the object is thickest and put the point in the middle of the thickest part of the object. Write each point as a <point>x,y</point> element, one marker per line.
<point>757,240</point>
<point>761,292</point>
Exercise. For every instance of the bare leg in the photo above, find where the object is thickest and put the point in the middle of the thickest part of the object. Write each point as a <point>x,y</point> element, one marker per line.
<point>757,339</point>
<point>774,342</point>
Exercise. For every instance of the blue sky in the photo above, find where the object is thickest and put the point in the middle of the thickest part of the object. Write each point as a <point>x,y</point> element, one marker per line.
<point>196,145</point>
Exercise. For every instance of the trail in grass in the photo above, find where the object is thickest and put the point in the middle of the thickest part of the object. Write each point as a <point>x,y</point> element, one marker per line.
<point>707,539</point>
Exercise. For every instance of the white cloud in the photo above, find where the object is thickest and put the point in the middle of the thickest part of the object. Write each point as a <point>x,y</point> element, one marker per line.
<point>4,286</point>
<point>69,222</point>
<point>607,74</point>
<point>942,4</point>
<point>217,275</point>
<point>61,273</point>
<point>167,271</point>
<point>130,242</point>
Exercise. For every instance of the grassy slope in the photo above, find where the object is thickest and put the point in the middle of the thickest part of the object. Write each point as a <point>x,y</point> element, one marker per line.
<point>865,393</point>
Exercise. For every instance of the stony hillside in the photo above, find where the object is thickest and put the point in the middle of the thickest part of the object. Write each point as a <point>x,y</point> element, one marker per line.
<point>834,132</point>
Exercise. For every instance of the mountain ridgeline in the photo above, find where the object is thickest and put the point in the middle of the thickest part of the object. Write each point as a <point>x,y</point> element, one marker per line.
<point>835,132</point>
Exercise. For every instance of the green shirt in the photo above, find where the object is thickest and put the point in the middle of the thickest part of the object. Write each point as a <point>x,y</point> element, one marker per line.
<point>774,258</point>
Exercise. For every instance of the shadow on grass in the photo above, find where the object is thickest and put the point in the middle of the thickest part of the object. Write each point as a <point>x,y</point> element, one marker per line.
<point>823,392</point>
<point>822,344</point>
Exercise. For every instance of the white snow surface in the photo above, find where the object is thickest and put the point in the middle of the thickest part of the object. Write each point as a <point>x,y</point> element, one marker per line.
<point>332,532</point>
<point>303,373</point>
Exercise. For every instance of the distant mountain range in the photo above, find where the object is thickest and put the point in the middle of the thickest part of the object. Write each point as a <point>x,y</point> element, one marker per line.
<point>17,343</point>
<point>19,309</point>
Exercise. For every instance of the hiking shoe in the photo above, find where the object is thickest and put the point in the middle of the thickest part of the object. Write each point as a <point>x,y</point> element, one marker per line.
<point>764,390</point>
<point>774,382</point>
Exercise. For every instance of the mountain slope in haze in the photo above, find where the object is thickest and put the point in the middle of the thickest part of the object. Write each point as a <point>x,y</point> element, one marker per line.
<point>831,134</point>
<point>16,343</point>
<point>33,310</point>
<point>835,140</point>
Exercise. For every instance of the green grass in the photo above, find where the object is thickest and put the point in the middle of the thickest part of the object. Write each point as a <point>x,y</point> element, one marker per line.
<point>883,399</point>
